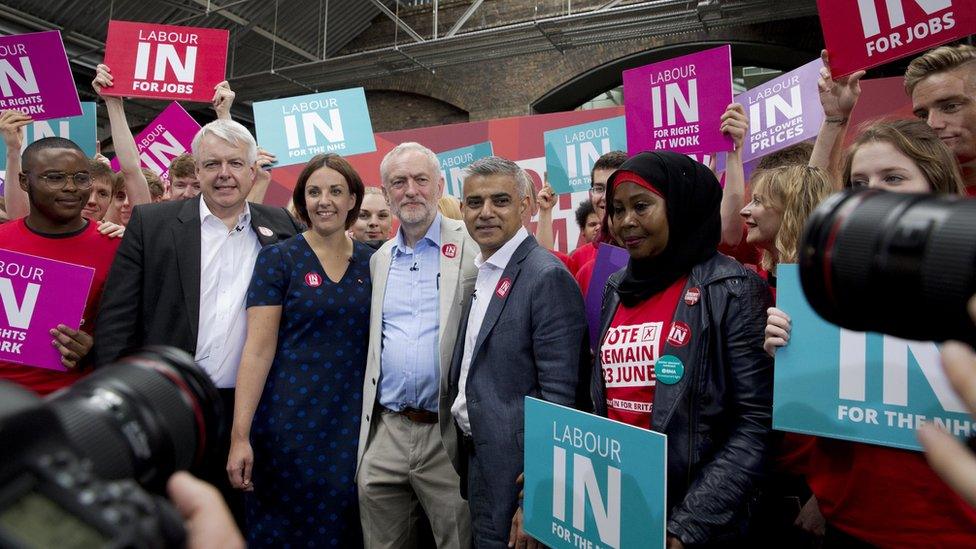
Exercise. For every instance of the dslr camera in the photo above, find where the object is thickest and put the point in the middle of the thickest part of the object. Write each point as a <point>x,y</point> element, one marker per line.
<point>899,264</point>
<point>84,466</point>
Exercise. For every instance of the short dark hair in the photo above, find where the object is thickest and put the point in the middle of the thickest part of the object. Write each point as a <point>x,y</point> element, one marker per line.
<point>118,183</point>
<point>609,161</point>
<point>339,164</point>
<point>583,212</point>
<point>100,170</point>
<point>156,188</point>
<point>182,166</point>
<point>797,154</point>
<point>46,143</point>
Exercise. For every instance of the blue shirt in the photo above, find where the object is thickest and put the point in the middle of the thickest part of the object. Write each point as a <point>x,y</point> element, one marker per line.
<point>410,359</point>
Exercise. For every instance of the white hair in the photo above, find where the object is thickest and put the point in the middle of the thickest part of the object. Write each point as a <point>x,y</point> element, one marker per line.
<point>229,131</point>
<point>404,148</point>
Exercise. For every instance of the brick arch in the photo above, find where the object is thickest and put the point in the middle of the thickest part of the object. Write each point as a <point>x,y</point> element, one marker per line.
<point>399,109</point>
<point>586,85</point>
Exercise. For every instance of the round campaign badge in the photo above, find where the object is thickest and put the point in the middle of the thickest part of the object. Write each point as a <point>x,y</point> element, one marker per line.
<point>266,231</point>
<point>313,280</point>
<point>449,250</point>
<point>692,296</point>
<point>679,334</point>
<point>669,370</point>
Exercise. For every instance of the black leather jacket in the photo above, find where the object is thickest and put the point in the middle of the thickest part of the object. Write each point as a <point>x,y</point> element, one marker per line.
<point>718,415</point>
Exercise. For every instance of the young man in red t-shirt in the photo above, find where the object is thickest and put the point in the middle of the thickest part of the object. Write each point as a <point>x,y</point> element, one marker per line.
<point>57,181</point>
<point>602,168</point>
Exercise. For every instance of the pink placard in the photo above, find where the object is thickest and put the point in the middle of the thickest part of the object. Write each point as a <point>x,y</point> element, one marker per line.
<point>677,105</point>
<point>165,138</point>
<point>866,33</point>
<point>165,61</point>
<point>37,294</point>
<point>35,76</point>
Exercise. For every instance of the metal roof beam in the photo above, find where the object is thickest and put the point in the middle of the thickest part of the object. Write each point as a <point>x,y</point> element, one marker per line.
<point>396,19</point>
<point>608,5</point>
<point>257,30</point>
<point>464,18</point>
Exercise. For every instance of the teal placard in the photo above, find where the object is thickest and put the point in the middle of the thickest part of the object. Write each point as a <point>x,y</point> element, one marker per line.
<point>864,387</point>
<point>572,151</point>
<point>80,129</point>
<point>455,161</point>
<point>297,128</point>
<point>592,482</point>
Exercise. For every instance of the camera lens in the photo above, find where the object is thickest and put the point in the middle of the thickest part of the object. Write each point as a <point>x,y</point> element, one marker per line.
<point>145,416</point>
<point>900,264</point>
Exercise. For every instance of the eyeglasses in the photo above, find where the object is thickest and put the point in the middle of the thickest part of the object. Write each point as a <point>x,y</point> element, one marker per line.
<point>598,189</point>
<point>59,180</point>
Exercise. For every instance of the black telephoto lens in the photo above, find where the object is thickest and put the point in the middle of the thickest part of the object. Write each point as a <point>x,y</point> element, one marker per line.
<point>145,416</point>
<point>899,264</point>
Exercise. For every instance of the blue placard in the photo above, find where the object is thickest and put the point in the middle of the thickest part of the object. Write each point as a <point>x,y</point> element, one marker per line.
<point>297,128</point>
<point>592,482</point>
<point>571,152</point>
<point>80,129</point>
<point>864,387</point>
<point>455,161</point>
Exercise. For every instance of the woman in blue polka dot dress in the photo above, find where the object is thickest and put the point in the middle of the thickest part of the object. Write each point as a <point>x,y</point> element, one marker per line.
<point>299,386</point>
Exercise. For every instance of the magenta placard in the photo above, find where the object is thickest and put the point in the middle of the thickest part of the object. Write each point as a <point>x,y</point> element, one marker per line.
<point>677,105</point>
<point>37,294</point>
<point>165,138</point>
<point>35,76</point>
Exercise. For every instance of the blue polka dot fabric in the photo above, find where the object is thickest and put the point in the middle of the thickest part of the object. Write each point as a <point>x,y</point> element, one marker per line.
<point>306,427</point>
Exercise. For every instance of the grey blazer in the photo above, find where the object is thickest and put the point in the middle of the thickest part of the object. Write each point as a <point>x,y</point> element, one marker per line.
<point>533,342</point>
<point>458,274</point>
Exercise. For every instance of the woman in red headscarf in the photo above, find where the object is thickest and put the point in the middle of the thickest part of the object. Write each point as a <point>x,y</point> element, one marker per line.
<point>697,372</point>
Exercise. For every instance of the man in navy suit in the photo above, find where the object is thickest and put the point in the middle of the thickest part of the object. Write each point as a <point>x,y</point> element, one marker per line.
<point>524,334</point>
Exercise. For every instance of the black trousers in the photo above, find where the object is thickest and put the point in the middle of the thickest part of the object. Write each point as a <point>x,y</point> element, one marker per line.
<point>214,469</point>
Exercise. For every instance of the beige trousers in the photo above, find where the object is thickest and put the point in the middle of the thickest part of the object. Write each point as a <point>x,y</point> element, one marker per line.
<point>406,465</point>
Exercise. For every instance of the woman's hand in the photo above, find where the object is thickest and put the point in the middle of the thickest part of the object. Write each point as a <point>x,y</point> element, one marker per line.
<point>778,328</point>
<point>239,465</point>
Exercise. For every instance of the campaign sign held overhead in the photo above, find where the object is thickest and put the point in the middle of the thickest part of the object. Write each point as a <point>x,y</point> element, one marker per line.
<point>592,482</point>
<point>455,161</point>
<point>782,111</point>
<point>165,61</point>
<point>168,136</point>
<point>80,129</point>
<point>861,34</point>
<point>36,295</point>
<point>297,128</point>
<point>571,152</point>
<point>35,77</point>
<point>863,387</point>
<point>677,105</point>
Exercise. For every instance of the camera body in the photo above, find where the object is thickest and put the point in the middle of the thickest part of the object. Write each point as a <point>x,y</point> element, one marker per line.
<point>81,467</point>
<point>50,494</point>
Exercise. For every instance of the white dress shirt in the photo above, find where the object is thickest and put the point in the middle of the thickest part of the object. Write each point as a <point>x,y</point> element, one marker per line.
<point>489,274</point>
<point>227,260</point>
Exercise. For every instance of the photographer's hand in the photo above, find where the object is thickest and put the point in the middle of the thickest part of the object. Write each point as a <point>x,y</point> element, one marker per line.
<point>207,520</point>
<point>949,457</point>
